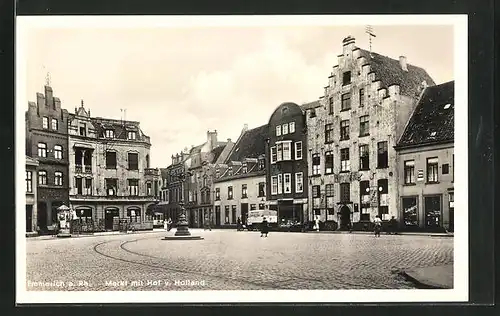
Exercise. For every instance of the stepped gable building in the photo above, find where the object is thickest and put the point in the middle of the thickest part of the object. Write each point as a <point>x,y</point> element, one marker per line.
<point>240,181</point>
<point>200,194</point>
<point>46,126</point>
<point>426,162</point>
<point>111,177</point>
<point>286,155</point>
<point>351,136</point>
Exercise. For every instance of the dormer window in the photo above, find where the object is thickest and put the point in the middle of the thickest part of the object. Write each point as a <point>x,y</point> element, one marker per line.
<point>132,135</point>
<point>244,169</point>
<point>110,133</point>
<point>346,78</point>
<point>230,171</point>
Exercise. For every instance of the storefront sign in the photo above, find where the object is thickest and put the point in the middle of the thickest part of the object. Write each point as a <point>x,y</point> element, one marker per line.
<point>420,175</point>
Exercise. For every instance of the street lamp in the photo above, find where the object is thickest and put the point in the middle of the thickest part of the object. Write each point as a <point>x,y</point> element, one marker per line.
<point>182,224</point>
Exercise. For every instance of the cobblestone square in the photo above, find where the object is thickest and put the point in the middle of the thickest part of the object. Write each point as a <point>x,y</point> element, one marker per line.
<point>229,260</point>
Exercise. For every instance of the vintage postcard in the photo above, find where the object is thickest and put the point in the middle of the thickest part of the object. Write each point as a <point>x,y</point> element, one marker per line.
<point>241,159</point>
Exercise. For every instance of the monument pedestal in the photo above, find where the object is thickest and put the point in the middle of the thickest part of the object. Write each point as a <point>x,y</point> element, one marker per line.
<point>182,231</point>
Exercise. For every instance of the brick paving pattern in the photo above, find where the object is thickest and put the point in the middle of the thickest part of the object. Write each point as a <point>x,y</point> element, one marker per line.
<point>229,260</point>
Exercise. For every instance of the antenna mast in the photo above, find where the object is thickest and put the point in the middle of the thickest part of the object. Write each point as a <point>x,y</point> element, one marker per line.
<point>369,31</point>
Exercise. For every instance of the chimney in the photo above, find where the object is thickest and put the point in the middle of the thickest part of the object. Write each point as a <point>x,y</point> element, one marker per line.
<point>40,99</point>
<point>402,62</point>
<point>229,140</point>
<point>49,98</point>
<point>245,127</point>
<point>57,103</point>
<point>348,44</point>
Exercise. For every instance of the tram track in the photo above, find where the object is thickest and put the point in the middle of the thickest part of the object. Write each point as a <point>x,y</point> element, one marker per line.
<point>170,269</point>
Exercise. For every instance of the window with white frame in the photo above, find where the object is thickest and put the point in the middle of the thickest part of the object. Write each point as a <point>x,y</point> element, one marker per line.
<point>298,150</point>
<point>88,187</point>
<point>42,150</point>
<point>279,149</point>
<point>316,161</point>
<point>291,128</point>
<point>132,135</point>
<point>54,124</point>
<point>287,150</point>
<point>274,155</point>
<point>278,130</point>
<point>42,177</point>
<point>432,169</point>
<point>58,154</point>
<point>409,171</point>
<point>287,177</point>
<point>29,181</point>
<point>299,182</point>
<point>45,122</point>
<point>110,133</point>
<point>58,178</point>
<point>280,183</point>
<point>345,163</point>
<point>285,129</point>
<point>274,185</point>
<point>230,193</point>
<point>329,162</point>
<point>133,187</point>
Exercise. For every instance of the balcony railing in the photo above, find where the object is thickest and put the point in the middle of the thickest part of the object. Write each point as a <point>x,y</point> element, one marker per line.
<point>151,172</point>
<point>83,169</point>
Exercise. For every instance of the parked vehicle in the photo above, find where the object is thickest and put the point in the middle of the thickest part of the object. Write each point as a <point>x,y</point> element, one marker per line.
<point>158,220</point>
<point>255,219</point>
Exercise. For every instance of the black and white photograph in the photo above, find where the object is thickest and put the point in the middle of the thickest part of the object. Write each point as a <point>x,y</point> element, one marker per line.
<point>241,159</point>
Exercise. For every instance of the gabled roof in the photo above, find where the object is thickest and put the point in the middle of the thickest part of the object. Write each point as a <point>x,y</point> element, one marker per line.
<point>216,152</point>
<point>433,119</point>
<point>310,105</point>
<point>389,72</point>
<point>251,144</point>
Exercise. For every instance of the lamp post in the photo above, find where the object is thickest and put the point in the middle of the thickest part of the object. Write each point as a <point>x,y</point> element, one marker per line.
<point>182,224</point>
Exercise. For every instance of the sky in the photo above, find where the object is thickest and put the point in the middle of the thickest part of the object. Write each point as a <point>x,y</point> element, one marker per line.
<point>179,82</point>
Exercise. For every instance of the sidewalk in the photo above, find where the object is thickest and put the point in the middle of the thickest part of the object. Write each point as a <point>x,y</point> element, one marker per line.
<point>45,237</point>
<point>382,234</point>
<point>438,277</point>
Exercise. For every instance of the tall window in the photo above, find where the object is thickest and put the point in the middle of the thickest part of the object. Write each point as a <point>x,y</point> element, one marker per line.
<point>79,185</point>
<point>346,78</point>
<point>287,151</point>
<point>315,191</point>
<point>298,150</point>
<point>149,189</point>
<point>382,157</point>
<point>364,126</point>
<point>316,161</point>
<point>244,191</point>
<point>409,171</point>
<point>279,149</point>
<point>345,192</point>
<point>233,214</point>
<point>58,154</point>
<point>230,171</point>
<point>361,97</point>
<point>45,122</point>
<point>262,163</point>
<point>292,127</point>
<point>345,163</point>
<point>58,178</point>
<point>346,102</point>
<point>54,124</point>
<point>274,185</point>
<point>88,187</point>
<point>29,181</point>
<point>83,130</point>
<point>42,150</point>
<point>132,135</point>
<point>364,158</point>
<point>42,177</point>
<point>383,186</point>
<point>280,183</point>
<point>110,160</point>
<point>274,155</point>
<point>226,213</point>
<point>285,129</point>
<point>133,161</point>
<point>244,168</point>
<point>344,130</point>
<point>432,169</point>
<point>364,193</point>
<point>111,187</point>
<point>110,133</point>
<point>445,168</point>
<point>328,162</point>
<point>299,182</point>
<point>217,194</point>
<point>328,133</point>
<point>278,130</point>
<point>133,187</point>
<point>330,105</point>
<point>229,193</point>
<point>329,190</point>
<point>287,177</point>
<point>262,189</point>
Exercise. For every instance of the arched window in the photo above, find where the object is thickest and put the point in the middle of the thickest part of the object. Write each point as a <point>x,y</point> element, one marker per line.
<point>134,214</point>
<point>147,161</point>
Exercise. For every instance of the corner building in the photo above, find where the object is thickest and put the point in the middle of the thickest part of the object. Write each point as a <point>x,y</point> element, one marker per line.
<point>111,179</point>
<point>287,163</point>
<point>352,133</point>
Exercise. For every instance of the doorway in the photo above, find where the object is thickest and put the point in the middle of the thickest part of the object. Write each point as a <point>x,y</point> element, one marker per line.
<point>42,216</point>
<point>244,213</point>
<point>345,217</point>
<point>217,216</point>
<point>29,218</point>
<point>111,213</point>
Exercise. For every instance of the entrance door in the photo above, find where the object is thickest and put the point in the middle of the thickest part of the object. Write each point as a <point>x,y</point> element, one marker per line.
<point>217,216</point>
<point>29,218</point>
<point>108,218</point>
<point>345,217</point>
<point>244,213</point>
<point>42,216</point>
<point>201,214</point>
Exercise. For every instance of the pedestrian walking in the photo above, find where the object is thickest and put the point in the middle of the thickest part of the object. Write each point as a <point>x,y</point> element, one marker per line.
<point>207,224</point>
<point>316,224</point>
<point>168,224</point>
<point>378,226</point>
<point>393,225</point>
<point>264,229</point>
<point>238,224</point>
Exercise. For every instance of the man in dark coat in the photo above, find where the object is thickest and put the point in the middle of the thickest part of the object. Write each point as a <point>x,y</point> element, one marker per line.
<point>264,230</point>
